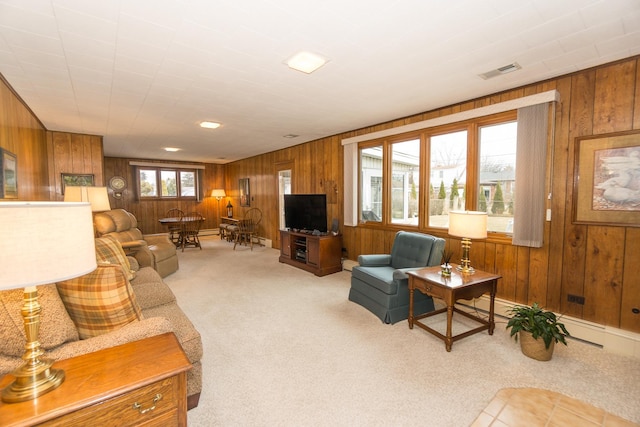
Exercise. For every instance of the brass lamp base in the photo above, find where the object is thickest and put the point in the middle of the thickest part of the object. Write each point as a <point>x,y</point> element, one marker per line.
<point>33,381</point>
<point>35,377</point>
<point>465,262</point>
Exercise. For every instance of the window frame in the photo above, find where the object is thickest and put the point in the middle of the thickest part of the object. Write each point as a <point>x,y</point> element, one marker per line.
<point>472,188</point>
<point>158,173</point>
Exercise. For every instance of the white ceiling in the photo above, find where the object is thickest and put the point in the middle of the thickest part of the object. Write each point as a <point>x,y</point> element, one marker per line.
<point>143,73</point>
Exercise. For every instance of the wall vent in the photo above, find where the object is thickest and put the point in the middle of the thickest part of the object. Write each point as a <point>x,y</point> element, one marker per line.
<point>500,71</point>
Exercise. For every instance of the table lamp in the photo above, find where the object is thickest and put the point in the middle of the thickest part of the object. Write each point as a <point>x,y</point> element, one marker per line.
<point>97,196</point>
<point>468,225</point>
<point>42,242</point>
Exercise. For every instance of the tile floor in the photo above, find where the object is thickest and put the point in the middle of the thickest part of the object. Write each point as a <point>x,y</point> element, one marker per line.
<point>513,407</point>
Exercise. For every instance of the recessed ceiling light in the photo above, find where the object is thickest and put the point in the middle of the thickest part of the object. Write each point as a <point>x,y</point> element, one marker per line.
<point>210,125</point>
<point>306,62</point>
<point>291,135</point>
<point>171,149</point>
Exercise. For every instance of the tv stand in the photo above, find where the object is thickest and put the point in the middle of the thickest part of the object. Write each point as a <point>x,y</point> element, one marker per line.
<point>318,254</point>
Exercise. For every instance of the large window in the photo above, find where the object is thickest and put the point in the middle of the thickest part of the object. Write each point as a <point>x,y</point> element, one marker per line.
<point>405,182</point>
<point>447,175</point>
<point>471,166</point>
<point>167,183</point>
<point>371,184</point>
<point>498,175</point>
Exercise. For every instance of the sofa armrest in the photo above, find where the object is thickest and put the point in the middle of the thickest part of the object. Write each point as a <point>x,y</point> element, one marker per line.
<point>158,239</point>
<point>374,260</point>
<point>134,331</point>
<point>144,257</point>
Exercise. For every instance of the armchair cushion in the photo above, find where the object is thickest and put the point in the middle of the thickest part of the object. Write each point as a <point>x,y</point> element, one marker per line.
<point>100,301</point>
<point>375,260</point>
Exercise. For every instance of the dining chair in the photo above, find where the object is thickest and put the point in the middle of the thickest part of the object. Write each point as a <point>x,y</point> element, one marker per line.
<point>191,224</point>
<point>175,228</point>
<point>248,227</point>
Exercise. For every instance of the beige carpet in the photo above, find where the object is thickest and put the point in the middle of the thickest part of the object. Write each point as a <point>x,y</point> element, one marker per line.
<point>283,347</point>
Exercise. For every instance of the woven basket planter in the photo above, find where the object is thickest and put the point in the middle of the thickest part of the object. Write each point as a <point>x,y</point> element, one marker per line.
<point>534,348</point>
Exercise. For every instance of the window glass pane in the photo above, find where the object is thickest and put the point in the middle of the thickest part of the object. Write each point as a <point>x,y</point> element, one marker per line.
<point>187,184</point>
<point>168,183</point>
<point>447,177</point>
<point>498,175</point>
<point>371,184</point>
<point>148,184</point>
<point>405,165</point>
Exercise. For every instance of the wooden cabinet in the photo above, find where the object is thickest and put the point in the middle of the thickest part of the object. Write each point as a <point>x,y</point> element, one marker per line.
<point>139,383</point>
<point>321,255</point>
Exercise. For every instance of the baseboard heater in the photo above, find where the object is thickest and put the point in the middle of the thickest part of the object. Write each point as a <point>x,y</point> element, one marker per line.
<point>610,339</point>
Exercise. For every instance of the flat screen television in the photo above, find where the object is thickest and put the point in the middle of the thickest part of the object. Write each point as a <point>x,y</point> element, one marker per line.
<point>305,212</point>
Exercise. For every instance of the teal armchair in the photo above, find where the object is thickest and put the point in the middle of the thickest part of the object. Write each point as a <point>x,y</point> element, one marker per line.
<point>380,283</point>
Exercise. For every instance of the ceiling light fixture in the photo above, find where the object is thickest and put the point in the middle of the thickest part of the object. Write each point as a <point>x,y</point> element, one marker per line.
<point>209,125</point>
<point>306,62</point>
<point>500,71</point>
<point>290,135</point>
<point>171,149</point>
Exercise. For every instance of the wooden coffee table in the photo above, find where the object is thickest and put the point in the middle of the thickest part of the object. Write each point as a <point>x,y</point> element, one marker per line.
<point>430,282</point>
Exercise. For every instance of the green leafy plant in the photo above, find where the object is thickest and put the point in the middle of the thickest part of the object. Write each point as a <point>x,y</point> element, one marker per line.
<point>537,321</point>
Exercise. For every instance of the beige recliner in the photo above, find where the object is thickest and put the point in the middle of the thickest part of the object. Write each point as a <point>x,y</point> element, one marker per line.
<point>155,251</point>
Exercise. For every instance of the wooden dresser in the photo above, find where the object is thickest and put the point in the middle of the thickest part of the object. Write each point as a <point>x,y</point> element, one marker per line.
<point>139,383</point>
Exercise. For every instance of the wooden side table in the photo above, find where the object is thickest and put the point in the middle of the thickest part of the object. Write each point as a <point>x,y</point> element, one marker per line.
<point>429,281</point>
<point>143,382</point>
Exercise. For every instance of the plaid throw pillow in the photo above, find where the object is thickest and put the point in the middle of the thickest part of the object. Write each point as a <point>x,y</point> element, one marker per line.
<point>109,251</point>
<point>100,301</point>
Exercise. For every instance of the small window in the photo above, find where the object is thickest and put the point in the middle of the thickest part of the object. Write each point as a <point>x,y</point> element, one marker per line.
<point>174,183</point>
<point>148,183</point>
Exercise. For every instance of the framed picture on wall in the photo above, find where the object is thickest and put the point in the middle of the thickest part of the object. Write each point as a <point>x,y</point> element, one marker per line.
<point>9,175</point>
<point>607,179</point>
<point>76,180</point>
<point>245,196</point>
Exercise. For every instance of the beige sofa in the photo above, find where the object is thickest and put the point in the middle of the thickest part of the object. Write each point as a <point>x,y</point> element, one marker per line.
<point>155,251</point>
<point>69,327</point>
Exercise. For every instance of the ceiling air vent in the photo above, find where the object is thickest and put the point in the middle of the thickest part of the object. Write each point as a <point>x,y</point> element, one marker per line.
<point>500,71</point>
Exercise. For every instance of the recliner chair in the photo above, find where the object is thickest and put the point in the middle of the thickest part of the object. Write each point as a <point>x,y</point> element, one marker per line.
<point>380,283</point>
<point>155,251</point>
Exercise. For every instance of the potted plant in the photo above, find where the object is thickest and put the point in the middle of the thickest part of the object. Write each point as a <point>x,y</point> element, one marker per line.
<point>530,323</point>
<point>446,265</point>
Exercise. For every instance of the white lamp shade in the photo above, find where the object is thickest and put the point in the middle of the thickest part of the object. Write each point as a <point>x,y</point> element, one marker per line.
<point>469,224</point>
<point>218,193</point>
<point>97,196</point>
<point>45,242</point>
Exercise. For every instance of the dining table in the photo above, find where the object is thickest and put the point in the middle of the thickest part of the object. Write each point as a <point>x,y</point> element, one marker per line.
<point>175,220</point>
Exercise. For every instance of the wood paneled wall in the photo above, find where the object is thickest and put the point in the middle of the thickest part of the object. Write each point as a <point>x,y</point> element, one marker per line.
<point>25,136</point>
<point>597,262</point>
<point>74,153</point>
<point>148,212</point>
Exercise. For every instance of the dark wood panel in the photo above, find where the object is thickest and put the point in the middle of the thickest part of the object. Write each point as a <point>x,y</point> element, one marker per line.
<point>630,300</point>
<point>24,135</point>
<point>603,279</point>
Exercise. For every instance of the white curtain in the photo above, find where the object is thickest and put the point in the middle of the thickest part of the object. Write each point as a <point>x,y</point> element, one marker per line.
<point>531,155</point>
